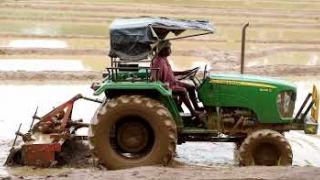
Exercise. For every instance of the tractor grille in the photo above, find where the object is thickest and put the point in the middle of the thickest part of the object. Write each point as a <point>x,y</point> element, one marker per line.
<point>286,101</point>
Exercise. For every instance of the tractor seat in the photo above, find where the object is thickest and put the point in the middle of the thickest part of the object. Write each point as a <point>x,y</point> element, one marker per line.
<point>128,67</point>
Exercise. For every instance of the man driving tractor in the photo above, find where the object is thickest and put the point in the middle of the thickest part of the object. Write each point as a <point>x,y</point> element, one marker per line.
<point>186,92</point>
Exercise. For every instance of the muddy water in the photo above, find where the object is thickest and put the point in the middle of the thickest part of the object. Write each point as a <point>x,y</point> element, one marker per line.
<point>41,65</point>
<point>40,43</point>
<point>20,101</point>
<point>33,43</point>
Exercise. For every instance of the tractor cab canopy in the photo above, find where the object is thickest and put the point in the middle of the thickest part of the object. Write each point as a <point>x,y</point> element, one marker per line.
<point>133,39</point>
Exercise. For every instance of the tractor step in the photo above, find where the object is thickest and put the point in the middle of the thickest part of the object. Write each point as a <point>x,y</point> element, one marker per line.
<point>202,135</point>
<point>193,130</point>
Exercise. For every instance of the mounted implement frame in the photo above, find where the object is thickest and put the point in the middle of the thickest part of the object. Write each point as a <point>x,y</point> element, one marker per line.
<point>311,103</point>
<point>45,138</point>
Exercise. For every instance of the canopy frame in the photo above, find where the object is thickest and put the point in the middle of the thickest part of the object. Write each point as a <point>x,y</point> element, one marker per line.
<point>135,39</point>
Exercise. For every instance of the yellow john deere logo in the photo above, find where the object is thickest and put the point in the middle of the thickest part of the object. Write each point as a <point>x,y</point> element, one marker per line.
<point>242,83</point>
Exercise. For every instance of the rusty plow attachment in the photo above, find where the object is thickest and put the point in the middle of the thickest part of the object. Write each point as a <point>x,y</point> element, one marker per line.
<point>44,140</point>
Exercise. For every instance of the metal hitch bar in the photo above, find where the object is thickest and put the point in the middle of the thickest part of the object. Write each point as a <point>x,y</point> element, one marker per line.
<point>300,117</point>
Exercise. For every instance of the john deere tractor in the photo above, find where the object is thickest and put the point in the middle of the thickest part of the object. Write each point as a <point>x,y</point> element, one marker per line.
<point>141,122</point>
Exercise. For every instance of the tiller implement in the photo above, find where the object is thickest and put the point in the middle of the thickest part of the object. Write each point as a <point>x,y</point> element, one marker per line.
<point>44,140</point>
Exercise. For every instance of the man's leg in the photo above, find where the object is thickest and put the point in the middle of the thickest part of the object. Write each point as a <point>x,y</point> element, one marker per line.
<point>192,94</point>
<point>183,95</point>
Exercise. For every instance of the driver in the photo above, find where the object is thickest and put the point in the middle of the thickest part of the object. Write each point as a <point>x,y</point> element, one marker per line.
<point>183,90</point>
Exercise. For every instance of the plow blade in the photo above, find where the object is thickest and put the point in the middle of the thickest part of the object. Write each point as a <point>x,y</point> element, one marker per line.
<point>14,151</point>
<point>14,157</point>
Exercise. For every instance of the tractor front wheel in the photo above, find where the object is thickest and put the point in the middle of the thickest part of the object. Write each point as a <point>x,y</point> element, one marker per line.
<point>131,131</point>
<point>265,148</point>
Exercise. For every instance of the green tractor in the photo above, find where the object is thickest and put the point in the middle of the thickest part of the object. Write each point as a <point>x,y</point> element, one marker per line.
<point>140,121</point>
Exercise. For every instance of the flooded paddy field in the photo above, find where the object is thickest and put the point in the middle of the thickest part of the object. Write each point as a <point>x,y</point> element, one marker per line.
<point>51,50</point>
<point>280,32</point>
<point>21,101</point>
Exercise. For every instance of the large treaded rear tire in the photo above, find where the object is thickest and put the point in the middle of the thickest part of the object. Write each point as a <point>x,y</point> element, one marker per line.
<point>162,129</point>
<point>265,147</point>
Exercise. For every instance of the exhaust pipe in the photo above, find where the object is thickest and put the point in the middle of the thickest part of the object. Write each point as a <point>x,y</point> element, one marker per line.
<point>243,44</point>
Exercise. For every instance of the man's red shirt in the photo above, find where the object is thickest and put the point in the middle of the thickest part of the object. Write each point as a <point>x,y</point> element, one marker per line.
<point>165,73</point>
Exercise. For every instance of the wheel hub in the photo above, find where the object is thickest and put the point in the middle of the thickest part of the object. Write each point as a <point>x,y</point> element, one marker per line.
<point>266,154</point>
<point>132,137</point>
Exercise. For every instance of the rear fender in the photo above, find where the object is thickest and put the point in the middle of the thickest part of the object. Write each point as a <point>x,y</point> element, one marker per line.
<point>154,90</point>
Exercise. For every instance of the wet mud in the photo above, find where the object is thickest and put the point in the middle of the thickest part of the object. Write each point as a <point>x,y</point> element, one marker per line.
<point>218,157</point>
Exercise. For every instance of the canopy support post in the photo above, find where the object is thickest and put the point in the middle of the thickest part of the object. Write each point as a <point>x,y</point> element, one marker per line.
<point>182,37</point>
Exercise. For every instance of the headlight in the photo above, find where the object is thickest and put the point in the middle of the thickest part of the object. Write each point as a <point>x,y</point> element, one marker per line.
<point>286,102</point>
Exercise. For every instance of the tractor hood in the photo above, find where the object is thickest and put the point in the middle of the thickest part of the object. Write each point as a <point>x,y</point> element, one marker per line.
<point>252,81</point>
<point>259,94</point>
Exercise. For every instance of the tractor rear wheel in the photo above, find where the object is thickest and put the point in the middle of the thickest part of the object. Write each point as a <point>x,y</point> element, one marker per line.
<point>265,148</point>
<point>131,131</point>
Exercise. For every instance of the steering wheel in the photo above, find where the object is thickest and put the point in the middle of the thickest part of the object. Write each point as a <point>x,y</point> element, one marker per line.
<point>205,72</point>
<point>190,75</point>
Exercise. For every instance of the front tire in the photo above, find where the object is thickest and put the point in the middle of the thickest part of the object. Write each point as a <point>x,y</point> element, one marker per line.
<point>130,131</point>
<point>265,148</point>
